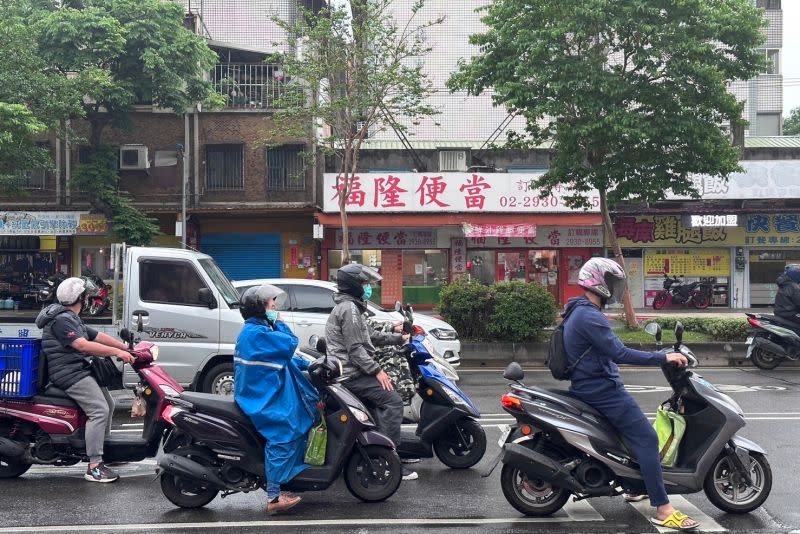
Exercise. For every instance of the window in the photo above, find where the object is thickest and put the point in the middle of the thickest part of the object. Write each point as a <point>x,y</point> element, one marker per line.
<point>170,283</point>
<point>773,61</point>
<point>286,168</point>
<point>225,166</point>
<point>768,4</point>
<point>224,285</point>
<point>34,178</point>
<point>97,260</point>
<point>312,299</point>
<point>768,124</point>
<point>422,268</point>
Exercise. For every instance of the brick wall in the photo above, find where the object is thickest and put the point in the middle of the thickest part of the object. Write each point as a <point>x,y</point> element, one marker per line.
<point>392,272</point>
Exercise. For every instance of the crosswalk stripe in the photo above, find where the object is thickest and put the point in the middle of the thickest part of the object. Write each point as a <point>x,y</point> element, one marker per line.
<point>582,511</point>
<point>680,503</point>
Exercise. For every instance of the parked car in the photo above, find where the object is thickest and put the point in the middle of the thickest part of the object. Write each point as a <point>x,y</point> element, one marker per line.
<point>311,301</point>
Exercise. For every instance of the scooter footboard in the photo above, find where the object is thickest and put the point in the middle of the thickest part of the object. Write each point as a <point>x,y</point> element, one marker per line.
<point>371,437</point>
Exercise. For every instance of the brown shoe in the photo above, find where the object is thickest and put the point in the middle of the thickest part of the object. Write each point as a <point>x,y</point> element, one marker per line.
<point>283,503</point>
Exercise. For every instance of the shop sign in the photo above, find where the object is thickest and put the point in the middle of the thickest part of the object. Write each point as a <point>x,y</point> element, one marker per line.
<point>760,179</point>
<point>449,192</point>
<point>547,237</point>
<point>691,262</point>
<point>669,230</point>
<point>92,225</point>
<point>458,255</point>
<point>39,222</point>
<point>714,220</point>
<point>499,230</point>
<point>383,238</point>
<point>776,230</point>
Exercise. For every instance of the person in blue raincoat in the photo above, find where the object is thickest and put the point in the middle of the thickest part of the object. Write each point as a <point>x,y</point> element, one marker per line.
<point>271,389</point>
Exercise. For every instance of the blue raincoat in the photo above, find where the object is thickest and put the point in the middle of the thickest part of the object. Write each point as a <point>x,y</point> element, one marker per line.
<point>271,389</point>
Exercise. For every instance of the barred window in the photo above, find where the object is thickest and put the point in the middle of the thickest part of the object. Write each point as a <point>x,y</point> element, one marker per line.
<point>225,166</point>
<point>33,178</point>
<point>286,169</point>
<point>773,61</point>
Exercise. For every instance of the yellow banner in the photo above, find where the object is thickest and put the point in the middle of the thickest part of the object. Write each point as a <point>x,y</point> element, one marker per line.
<point>669,231</point>
<point>92,225</point>
<point>691,262</point>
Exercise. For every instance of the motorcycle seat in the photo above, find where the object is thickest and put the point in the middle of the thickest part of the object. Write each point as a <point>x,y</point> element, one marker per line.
<point>215,404</point>
<point>781,321</point>
<point>567,397</point>
<point>55,397</point>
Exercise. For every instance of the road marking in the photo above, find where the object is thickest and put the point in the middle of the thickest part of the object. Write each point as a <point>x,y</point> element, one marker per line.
<point>582,511</point>
<point>706,523</point>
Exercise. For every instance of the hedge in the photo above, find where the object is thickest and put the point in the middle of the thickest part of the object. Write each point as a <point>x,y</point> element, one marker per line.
<point>721,329</point>
<point>505,311</point>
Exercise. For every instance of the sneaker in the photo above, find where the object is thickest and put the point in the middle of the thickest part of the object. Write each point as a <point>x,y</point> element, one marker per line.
<point>409,460</point>
<point>408,474</point>
<point>282,503</point>
<point>634,497</point>
<point>101,473</point>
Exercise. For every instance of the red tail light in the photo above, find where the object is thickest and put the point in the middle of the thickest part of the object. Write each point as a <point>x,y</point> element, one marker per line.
<point>754,322</point>
<point>418,331</point>
<point>511,402</point>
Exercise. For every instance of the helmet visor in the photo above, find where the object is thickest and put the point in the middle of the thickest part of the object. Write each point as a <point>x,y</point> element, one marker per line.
<point>267,292</point>
<point>617,288</point>
<point>90,288</point>
<point>372,275</point>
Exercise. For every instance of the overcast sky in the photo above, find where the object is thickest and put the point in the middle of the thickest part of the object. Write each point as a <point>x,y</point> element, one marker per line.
<point>791,55</point>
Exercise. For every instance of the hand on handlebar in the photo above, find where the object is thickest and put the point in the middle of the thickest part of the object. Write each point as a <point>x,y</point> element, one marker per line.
<point>406,337</point>
<point>125,356</point>
<point>677,358</point>
<point>385,381</point>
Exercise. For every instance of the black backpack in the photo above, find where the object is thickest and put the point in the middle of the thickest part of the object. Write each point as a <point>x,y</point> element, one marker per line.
<point>557,356</point>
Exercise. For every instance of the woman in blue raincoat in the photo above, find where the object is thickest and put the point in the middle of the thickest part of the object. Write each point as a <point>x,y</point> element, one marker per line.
<point>271,389</point>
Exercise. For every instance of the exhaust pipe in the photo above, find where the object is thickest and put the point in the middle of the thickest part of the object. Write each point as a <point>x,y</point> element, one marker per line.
<point>11,449</point>
<point>187,468</point>
<point>770,346</point>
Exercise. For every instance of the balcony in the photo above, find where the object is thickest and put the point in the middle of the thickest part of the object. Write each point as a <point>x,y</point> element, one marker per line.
<point>249,86</point>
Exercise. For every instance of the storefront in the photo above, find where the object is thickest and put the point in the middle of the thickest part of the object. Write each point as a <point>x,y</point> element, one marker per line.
<point>773,241</point>
<point>431,230</point>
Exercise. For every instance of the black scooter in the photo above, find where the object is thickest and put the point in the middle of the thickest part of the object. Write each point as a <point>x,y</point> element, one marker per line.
<point>219,450</point>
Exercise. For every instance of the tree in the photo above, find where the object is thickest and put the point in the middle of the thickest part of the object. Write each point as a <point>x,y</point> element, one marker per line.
<point>639,90</point>
<point>791,125</point>
<point>123,53</point>
<point>357,71</point>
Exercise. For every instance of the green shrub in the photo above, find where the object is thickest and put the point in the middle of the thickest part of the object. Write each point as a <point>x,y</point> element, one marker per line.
<point>466,306</point>
<point>521,311</point>
<point>720,329</point>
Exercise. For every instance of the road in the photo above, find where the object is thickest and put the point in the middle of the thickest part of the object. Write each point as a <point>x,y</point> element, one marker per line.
<point>59,500</point>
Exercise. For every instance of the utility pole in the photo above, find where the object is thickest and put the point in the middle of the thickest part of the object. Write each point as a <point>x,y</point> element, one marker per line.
<point>184,179</point>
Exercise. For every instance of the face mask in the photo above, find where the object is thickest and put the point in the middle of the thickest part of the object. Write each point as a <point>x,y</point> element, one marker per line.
<point>272,315</point>
<point>367,292</point>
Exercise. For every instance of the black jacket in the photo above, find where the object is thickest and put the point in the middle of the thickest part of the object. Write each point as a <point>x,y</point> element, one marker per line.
<point>66,366</point>
<point>787,300</point>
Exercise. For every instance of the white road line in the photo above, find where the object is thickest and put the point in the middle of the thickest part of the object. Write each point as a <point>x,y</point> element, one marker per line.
<point>706,523</point>
<point>582,511</point>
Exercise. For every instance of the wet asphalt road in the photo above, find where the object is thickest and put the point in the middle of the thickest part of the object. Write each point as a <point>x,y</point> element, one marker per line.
<point>59,500</point>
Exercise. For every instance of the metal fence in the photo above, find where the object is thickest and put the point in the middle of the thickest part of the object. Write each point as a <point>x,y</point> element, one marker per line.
<point>249,85</point>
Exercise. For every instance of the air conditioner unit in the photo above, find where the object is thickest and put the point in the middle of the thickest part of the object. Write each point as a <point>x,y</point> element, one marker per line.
<point>452,160</point>
<point>133,157</point>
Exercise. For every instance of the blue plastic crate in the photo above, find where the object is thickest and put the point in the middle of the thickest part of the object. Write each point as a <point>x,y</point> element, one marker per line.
<point>19,367</point>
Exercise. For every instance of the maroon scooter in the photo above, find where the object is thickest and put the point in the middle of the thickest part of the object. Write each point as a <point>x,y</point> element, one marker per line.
<point>48,428</point>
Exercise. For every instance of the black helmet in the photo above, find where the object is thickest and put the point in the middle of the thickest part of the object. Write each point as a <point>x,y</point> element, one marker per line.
<point>254,300</point>
<point>351,279</point>
<point>793,272</point>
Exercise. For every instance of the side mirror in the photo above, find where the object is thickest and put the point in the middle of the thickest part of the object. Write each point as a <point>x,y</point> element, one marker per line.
<point>514,372</point>
<point>205,296</point>
<point>678,334</point>
<point>138,316</point>
<point>654,329</point>
<point>126,336</point>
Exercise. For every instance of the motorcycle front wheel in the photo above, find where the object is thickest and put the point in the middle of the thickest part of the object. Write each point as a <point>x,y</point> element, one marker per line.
<point>377,479</point>
<point>701,301</point>
<point>726,489</point>
<point>462,446</point>
<point>660,301</point>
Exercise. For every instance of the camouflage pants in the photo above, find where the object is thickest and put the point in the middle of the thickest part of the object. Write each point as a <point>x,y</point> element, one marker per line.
<point>396,366</point>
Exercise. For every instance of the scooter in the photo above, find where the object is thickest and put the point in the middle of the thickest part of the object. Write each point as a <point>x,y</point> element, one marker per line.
<point>221,451</point>
<point>98,303</point>
<point>47,295</point>
<point>771,340</point>
<point>561,446</point>
<point>48,429</point>
<point>447,423</point>
<point>677,291</point>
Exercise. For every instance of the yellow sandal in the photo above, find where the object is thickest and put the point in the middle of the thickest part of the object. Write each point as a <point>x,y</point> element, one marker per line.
<point>675,521</point>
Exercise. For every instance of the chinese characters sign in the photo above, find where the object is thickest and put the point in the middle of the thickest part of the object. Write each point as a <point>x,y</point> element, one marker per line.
<point>39,223</point>
<point>499,230</point>
<point>692,262</point>
<point>773,230</point>
<point>92,225</point>
<point>383,238</point>
<point>452,191</point>
<point>546,237</point>
<point>458,255</point>
<point>714,220</point>
<point>669,230</point>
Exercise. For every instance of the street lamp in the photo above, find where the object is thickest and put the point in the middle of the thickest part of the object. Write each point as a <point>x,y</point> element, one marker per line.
<point>184,179</point>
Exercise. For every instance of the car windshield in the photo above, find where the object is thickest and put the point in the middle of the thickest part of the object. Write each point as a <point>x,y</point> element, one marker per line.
<point>224,285</point>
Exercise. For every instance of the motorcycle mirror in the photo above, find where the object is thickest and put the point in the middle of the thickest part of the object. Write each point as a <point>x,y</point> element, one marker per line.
<point>514,372</point>
<point>678,334</point>
<point>654,329</point>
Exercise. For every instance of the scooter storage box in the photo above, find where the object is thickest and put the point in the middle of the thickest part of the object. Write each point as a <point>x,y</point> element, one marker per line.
<point>19,367</point>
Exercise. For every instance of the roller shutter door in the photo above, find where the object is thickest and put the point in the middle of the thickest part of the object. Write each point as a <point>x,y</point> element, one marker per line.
<point>245,256</point>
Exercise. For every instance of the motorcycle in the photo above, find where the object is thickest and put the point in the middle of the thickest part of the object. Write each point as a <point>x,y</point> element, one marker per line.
<point>47,295</point>
<point>676,291</point>
<point>771,340</point>
<point>221,451</point>
<point>561,446</point>
<point>48,429</point>
<point>98,303</point>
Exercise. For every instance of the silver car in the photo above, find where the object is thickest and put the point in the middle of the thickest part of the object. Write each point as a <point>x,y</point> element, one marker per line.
<point>310,303</point>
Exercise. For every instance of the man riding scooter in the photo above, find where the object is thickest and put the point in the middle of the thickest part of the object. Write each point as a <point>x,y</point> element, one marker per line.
<point>787,300</point>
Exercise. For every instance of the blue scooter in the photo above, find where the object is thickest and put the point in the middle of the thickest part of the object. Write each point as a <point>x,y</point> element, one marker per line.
<point>448,425</point>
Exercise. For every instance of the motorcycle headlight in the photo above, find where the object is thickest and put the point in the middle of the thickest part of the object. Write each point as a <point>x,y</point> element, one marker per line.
<point>455,397</point>
<point>154,352</point>
<point>361,415</point>
<point>169,391</point>
<point>444,334</point>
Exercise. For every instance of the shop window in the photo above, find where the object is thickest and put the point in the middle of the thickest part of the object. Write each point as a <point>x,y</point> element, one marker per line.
<point>364,257</point>
<point>170,283</point>
<point>98,261</point>
<point>225,166</point>
<point>312,299</point>
<point>424,268</point>
<point>482,265</point>
<point>286,169</point>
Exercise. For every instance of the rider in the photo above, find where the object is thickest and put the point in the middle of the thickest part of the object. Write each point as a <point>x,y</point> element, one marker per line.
<point>67,344</point>
<point>787,300</point>
<point>348,338</point>
<point>272,390</point>
<point>596,379</point>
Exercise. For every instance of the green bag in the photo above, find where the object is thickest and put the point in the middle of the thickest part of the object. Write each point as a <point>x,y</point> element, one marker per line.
<point>317,443</point>
<point>670,427</point>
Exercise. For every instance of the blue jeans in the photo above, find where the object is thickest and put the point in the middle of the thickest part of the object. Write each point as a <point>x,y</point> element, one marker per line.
<point>624,414</point>
<point>273,491</point>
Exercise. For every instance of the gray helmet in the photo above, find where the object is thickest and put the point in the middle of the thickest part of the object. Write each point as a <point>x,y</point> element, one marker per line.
<point>254,300</point>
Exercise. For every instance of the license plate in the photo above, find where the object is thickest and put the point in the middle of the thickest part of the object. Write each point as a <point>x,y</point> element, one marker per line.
<point>749,341</point>
<point>505,430</point>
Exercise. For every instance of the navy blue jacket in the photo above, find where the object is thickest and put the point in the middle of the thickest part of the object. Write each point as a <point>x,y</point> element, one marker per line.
<point>587,328</point>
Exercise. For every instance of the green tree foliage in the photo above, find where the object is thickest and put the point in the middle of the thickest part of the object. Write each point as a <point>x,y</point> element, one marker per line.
<point>638,89</point>
<point>358,71</point>
<point>791,125</point>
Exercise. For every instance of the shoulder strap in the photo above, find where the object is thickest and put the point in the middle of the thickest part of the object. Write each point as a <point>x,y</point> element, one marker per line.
<point>572,367</point>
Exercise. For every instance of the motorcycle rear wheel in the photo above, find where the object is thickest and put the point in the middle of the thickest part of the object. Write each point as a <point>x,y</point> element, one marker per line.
<point>369,486</point>
<point>533,497</point>
<point>183,492</point>
<point>660,301</point>
<point>701,301</point>
<point>12,468</point>
<point>763,360</point>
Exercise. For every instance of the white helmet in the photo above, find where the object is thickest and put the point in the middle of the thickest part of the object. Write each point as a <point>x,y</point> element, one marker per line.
<point>71,290</point>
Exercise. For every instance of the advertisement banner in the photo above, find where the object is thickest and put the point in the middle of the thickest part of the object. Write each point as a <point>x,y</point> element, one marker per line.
<point>669,230</point>
<point>39,222</point>
<point>384,238</point>
<point>692,262</point>
<point>547,237</point>
<point>92,224</point>
<point>776,230</point>
<point>499,230</point>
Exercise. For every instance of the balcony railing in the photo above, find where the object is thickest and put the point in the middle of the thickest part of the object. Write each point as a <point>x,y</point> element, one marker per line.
<point>250,85</point>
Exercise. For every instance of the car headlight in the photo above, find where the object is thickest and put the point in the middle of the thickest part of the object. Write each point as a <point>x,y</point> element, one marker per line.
<point>444,334</point>
<point>361,415</point>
